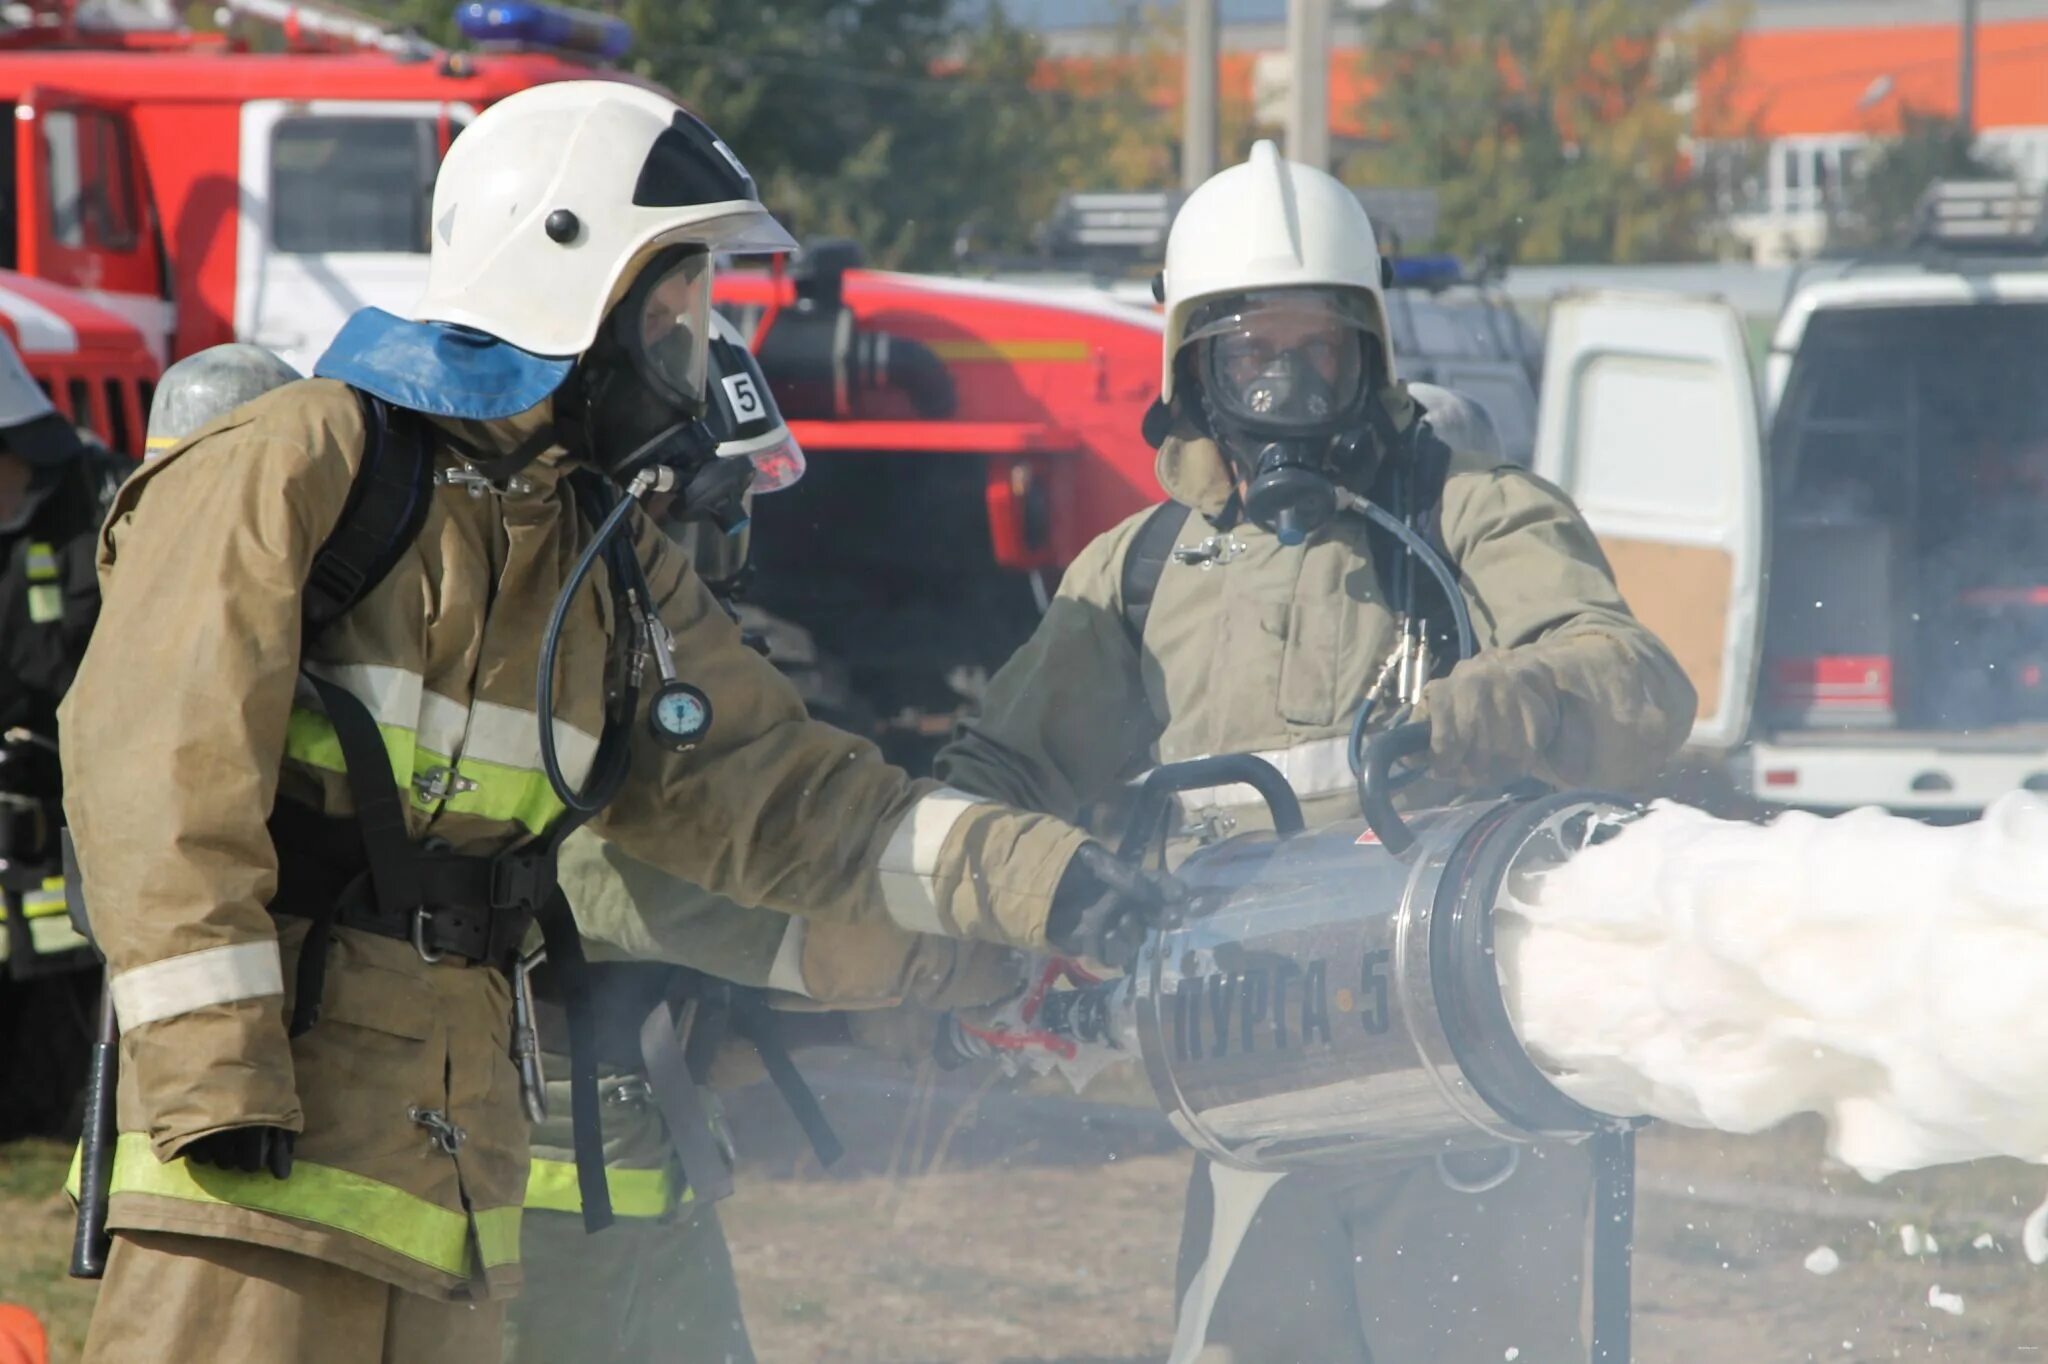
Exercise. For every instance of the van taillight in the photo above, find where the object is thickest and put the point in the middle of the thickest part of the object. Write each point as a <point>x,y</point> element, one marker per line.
<point>1833,685</point>
<point>1778,778</point>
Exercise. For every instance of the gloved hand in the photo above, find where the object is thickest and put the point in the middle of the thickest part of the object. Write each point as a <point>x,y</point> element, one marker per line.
<point>1104,906</point>
<point>247,1149</point>
<point>1490,721</point>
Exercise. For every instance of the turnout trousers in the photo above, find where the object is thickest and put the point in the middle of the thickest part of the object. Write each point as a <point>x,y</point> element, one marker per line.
<point>1388,1267</point>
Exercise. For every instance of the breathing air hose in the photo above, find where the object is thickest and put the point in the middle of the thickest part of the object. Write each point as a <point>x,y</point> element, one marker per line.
<point>1422,550</point>
<point>606,777</point>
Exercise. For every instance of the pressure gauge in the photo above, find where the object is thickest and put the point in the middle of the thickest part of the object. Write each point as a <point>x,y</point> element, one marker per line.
<point>680,716</point>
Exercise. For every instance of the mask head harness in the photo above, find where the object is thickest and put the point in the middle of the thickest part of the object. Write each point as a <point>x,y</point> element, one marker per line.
<point>1286,379</point>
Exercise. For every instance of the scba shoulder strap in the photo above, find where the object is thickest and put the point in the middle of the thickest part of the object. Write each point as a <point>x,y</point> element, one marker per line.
<point>385,512</point>
<point>1145,561</point>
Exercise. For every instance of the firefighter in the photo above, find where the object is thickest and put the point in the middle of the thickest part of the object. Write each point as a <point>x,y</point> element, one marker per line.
<point>1262,611</point>
<point>366,655</point>
<point>54,488</point>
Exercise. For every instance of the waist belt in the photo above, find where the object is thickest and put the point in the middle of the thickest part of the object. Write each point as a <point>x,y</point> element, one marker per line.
<point>472,907</point>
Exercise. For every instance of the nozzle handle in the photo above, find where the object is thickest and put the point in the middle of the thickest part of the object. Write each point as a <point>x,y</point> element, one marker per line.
<point>1224,769</point>
<point>1376,783</point>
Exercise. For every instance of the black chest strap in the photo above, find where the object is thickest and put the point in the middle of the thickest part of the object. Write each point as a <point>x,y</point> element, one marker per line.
<point>1145,561</point>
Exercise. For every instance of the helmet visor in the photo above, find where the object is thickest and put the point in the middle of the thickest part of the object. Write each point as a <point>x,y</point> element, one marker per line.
<point>668,320</point>
<point>1284,360</point>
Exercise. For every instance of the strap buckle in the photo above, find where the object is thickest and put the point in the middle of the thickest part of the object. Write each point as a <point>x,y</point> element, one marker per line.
<point>445,1135</point>
<point>437,784</point>
<point>477,483</point>
<point>518,880</point>
<point>421,918</point>
<point>1210,552</point>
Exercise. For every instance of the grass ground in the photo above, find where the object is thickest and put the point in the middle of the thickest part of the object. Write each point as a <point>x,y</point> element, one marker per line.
<point>1002,1228</point>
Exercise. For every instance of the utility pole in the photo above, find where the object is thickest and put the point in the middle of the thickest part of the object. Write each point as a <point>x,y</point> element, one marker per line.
<point>1308,82</point>
<point>1198,136</point>
<point>1966,73</point>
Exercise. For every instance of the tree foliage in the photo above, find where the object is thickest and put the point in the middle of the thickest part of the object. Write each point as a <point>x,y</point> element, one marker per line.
<point>894,122</point>
<point>1882,200</point>
<point>1553,130</point>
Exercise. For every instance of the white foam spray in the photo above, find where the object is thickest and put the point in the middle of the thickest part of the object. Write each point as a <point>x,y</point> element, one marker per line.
<point>1886,974</point>
<point>1823,1260</point>
<point>2034,1235</point>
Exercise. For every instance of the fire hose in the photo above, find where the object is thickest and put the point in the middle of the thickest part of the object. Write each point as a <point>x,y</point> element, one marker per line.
<point>1333,999</point>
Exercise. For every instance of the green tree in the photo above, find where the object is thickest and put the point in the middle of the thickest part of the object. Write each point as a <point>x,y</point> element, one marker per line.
<point>889,121</point>
<point>1881,202</point>
<point>1555,130</point>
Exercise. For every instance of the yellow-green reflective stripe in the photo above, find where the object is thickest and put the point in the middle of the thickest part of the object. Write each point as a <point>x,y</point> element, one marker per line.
<point>510,795</point>
<point>44,903</point>
<point>71,1176</point>
<point>424,1232</point>
<point>310,738</point>
<point>42,562</point>
<point>497,1235</point>
<point>551,1187</point>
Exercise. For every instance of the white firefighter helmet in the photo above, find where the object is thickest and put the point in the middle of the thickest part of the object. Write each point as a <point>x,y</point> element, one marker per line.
<point>1459,422</point>
<point>551,203</point>
<point>208,384</point>
<point>1270,224</point>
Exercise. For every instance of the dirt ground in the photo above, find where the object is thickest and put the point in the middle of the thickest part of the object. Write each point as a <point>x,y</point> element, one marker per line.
<point>981,1226</point>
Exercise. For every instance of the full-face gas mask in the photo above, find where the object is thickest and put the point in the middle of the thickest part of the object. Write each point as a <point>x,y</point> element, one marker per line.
<point>1285,378</point>
<point>756,454</point>
<point>636,398</point>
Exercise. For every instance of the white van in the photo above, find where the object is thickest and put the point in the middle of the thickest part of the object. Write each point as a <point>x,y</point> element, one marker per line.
<point>1854,571</point>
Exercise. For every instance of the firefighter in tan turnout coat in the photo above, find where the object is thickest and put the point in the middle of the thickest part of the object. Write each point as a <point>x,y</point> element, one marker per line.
<point>1261,617</point>
<point>322,1151</point>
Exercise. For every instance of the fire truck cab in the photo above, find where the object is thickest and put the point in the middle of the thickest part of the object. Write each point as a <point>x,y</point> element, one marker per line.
<point>208,190</point>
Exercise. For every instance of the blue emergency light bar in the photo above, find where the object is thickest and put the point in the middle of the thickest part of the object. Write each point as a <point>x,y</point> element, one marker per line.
<point>525,24</point>
<point>1425,272</point>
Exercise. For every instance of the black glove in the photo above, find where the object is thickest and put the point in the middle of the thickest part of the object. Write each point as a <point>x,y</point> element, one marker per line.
<point>248,1149</point>
<point>1104,907</point>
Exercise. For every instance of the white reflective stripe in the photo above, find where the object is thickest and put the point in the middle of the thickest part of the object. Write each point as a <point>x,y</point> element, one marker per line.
<point>178,985</point>
<point>1320,767</point>
<point>442,723</point>
<point>787,974</point>
<point>510,737</point>
<point>391,695</point>
<point>483,730</point>
<point>41,331</point>
<point>910,863</point>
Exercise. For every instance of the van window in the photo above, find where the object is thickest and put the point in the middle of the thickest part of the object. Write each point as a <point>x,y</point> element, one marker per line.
<point>92,185</point>
<point>351,184</point>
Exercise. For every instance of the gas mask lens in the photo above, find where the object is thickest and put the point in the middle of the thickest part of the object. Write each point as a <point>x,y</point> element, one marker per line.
<point>669,317</point>
<point>1284,362</point>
